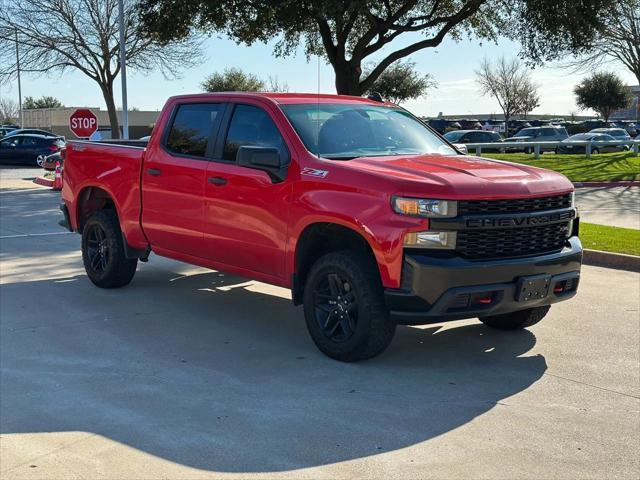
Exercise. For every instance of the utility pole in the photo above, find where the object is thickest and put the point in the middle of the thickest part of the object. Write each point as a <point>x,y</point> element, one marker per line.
<point>19,84</point>
<point>123,72</point>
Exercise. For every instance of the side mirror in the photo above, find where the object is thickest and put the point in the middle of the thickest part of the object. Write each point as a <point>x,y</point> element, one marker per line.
<point>267,159</point>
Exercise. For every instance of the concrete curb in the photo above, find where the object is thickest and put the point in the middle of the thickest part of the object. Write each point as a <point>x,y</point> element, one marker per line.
<point>628,183</point>
<point>619,261</point>
<point>45,182</point>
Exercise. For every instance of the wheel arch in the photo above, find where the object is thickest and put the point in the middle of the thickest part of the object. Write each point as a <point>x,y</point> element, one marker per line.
<point>319,238</point>
<point>92,199</point>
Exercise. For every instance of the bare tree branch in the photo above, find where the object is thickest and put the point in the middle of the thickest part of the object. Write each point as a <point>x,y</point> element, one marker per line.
<point>55,36</point>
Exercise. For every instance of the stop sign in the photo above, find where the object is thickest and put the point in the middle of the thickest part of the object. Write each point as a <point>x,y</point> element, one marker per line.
<point>83,123</point>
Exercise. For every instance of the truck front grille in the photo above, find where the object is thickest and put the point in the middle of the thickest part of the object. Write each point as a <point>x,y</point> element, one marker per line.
<point>518,205</point>
<point>512,242</point>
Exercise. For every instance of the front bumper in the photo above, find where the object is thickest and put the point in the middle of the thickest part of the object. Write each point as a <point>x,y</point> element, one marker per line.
<point>441,289</point>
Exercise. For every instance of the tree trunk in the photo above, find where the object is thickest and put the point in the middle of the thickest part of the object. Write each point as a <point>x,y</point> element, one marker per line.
<point>348,78</point>
<point>107,93</point>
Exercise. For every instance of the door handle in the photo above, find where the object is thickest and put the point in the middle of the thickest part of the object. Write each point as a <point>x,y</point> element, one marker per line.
<point>154,171</point>
<point>218,181</point>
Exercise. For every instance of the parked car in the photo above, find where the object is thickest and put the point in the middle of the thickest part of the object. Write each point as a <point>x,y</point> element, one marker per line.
<point>25,149</point>
<point>474,136</point>
<point>32,131</point>
<point>569,145</point>
<point>617,133</point>
<point>537,134</point>
<point>4,130</point>
<point>48,162</point>
<point>368,216</point>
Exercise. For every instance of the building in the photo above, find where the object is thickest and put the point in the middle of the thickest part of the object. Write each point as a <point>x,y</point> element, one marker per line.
<point>56,120</point>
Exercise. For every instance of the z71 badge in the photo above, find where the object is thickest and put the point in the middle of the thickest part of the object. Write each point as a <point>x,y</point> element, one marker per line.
<point>314,172</point>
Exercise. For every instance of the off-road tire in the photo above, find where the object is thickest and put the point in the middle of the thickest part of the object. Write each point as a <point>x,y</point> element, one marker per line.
<point>113,270</point>
<point>373,330</point>
<point>516,320</point>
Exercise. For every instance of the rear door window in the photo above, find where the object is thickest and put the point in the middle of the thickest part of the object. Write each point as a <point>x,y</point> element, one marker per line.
<point>193,128</point>
<point>251,126</point>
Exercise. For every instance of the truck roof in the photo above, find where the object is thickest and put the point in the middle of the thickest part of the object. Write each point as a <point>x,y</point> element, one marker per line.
<point>287,98</point>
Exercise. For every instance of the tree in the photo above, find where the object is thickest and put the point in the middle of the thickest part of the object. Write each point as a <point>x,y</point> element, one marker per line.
<point>82,35</point>
<point>8,111</point>
<point>401,82</point>
<point>232,80</point>
<point>349,32</point>
<point>529,98</point>
<point>618,42</point>
<point>603,92</point>
<point>509,82</point>
<point>31,103</point>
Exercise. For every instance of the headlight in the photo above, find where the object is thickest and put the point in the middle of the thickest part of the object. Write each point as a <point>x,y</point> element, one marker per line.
<point>439,240</point>
<point>424,207</point>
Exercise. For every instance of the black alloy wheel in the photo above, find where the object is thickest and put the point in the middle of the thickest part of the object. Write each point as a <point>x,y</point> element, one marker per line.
<point>98,249</point>
<point>336,307</point>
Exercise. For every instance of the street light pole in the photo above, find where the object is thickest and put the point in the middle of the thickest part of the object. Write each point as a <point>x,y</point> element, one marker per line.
<point>123,72</point>
<point>19,84</point>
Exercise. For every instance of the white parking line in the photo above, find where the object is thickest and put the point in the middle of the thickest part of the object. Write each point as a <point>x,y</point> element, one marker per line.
<point>22,235</point>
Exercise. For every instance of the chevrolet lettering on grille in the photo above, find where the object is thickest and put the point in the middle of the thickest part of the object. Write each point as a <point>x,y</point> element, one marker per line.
<point>519,221</point>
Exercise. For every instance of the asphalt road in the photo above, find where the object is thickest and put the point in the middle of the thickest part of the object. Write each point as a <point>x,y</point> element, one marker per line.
<point>189,373</point>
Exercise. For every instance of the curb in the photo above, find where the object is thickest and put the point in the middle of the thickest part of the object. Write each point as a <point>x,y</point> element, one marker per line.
<point>619,261</point>
<point>627,183</point>
<point>45,182</point>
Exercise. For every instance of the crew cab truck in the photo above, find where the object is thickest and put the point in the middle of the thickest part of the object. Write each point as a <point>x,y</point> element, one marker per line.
<point>365,213</point>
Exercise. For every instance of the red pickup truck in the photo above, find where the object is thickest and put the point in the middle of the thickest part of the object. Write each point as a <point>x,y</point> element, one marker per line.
<point>368,216</point>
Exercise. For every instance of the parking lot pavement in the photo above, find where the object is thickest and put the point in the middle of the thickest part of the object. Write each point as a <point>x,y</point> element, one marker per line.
<point>618,207</point>
<point>19,177</point>
<point>188,373</point>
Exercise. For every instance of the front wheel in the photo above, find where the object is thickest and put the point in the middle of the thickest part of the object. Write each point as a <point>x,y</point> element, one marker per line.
<point>595,151</point>
<point>103,252</point>
<point>344,307</point>
<point>516,320</point>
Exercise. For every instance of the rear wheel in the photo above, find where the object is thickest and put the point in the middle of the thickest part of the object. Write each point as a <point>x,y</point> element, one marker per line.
<point>103,252</point>
<point>516,320</point>
<point>344,307</point>
<point>595,151</point>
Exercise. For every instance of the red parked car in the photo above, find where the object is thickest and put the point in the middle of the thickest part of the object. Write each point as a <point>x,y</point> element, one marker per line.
<point>365,213</point>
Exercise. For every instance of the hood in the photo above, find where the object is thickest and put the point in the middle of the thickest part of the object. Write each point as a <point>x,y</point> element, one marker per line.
<point>462,176</point>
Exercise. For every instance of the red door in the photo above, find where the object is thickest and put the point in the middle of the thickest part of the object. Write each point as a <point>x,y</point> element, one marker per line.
<point>174,176</point>
<point>245,214</point>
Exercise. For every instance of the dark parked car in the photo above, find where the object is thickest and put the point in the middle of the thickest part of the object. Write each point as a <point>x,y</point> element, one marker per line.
<point>474,136</point>
<point>32,131</point>
<point>538,134</point>
<point>596,139</point>
<point>25,149</point>
<point>4,130</point>
<point>617,133</point>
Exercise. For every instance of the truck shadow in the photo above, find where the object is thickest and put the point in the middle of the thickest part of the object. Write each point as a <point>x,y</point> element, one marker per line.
<point>208,372</point>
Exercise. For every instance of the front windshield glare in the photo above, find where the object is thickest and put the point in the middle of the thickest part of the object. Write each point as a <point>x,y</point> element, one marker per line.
<point>345,131</point>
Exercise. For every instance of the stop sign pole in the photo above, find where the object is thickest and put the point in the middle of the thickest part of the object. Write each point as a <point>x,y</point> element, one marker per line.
<point>83,123</point>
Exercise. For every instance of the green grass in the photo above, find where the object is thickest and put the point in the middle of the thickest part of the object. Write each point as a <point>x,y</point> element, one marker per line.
<point>610,239</point>
<point>605,167</point>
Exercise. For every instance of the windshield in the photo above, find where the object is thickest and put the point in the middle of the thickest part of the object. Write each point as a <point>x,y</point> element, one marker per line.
<point>345,131</point>
<point>454,136</point>
<point>526,132</point>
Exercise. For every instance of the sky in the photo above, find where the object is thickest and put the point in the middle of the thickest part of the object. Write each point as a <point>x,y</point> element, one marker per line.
<point>452,66</point>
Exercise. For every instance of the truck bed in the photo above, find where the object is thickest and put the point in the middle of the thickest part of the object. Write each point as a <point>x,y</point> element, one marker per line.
<point>113,166</point>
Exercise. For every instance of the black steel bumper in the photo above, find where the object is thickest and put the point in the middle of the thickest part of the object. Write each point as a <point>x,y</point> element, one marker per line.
<point>440,289</point>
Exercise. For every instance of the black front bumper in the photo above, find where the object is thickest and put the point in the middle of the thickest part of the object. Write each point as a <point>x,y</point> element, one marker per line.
<point>440,289</point>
